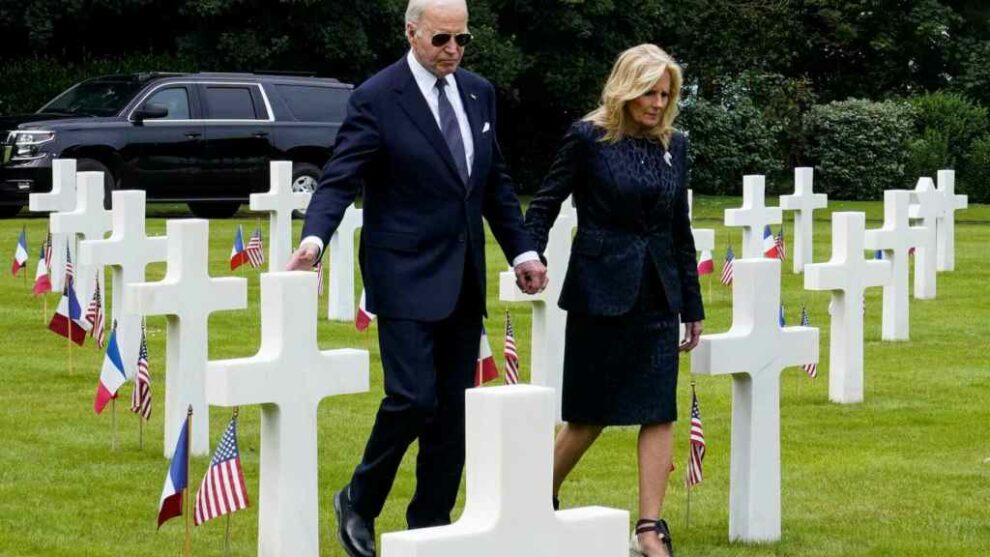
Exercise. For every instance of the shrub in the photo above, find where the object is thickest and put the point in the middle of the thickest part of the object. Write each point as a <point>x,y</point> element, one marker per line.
<point>927,155</point>
<point>858,147</point>
<point>974,180</point>
<point>727,142</point>
<point>952,117</point>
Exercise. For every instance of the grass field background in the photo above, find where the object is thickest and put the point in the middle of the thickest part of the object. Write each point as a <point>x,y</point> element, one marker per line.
<point>904,473</point>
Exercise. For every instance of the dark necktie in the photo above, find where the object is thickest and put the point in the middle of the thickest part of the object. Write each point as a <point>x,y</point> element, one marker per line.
<point>452,132</point>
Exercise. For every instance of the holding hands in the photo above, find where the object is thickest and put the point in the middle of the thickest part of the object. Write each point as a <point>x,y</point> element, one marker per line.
<point>531,277</point>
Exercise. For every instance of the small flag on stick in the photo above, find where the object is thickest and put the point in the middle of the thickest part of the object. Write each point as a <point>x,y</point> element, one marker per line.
<point>20,254</point>
<point>812,368</point>
<point>511,356</point>
<point>177,480</point>
<point>695,473</point>
<point>222,490</point>
<point>486,369</point>
<point>727,267</point>
<point>255,249</point>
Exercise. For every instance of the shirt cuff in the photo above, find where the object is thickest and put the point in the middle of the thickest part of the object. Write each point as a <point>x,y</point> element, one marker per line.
<point>522,257</point>
<point>316,241</point>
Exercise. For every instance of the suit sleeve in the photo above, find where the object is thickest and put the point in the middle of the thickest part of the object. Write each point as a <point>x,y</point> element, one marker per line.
<point>501,206</point>
<point>558,184</point>
<point>684,250</point>
<point>358,143</point>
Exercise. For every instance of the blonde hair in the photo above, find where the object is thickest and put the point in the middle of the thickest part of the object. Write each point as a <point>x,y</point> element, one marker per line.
<point>637,71</point>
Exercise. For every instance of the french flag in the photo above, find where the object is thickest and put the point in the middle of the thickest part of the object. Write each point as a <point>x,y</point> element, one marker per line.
<point>177,479</point>
<point>42,279</point>
<point>364,317</point>
<point>112,375</point>
<point>68,320</point>
<point>238,255</point>
<point>20,254</point>
<point>485,370</point>
<point>706,265</point>
<point>769,244</point>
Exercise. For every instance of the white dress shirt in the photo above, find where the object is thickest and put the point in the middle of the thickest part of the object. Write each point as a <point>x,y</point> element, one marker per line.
<point>427,83</point>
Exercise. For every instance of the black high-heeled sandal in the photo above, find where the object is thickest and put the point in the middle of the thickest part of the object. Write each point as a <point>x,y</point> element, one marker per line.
<point>648,525</point>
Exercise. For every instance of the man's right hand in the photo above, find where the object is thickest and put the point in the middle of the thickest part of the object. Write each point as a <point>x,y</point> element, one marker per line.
<point>304,258</point>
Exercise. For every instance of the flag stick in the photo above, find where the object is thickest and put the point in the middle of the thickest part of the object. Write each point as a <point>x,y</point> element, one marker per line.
<point>44,309</point>
<point>113,424</point>
<point>140,433</point>
<point>69,344</point>
<point>187,546</point>
<point>226,537</point>
<point>687,478</point>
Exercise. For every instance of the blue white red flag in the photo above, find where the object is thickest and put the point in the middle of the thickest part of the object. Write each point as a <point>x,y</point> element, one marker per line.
<point>238,255</point>
<point>177,479</point>
<point>20,254</point>
<point>68,319</point>
<point>112,376</point>
<point>769,243</point>
<point>486,369</point>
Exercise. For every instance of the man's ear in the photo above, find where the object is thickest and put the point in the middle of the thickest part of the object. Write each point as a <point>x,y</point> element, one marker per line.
<point>410,31</point>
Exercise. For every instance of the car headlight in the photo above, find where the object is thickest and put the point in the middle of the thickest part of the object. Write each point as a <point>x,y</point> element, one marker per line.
<point>32,137</point>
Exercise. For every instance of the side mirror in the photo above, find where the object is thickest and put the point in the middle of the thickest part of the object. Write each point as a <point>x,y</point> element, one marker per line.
<point>150,112</point>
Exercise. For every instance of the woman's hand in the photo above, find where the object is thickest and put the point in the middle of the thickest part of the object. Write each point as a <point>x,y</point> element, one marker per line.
<point>692,335</point>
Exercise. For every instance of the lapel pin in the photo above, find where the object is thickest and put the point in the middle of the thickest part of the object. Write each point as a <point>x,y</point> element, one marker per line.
<point>473,96</point>
<point>667,158</point>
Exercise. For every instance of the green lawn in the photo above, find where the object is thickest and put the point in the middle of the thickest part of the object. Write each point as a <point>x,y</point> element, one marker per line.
<point>904,473</point>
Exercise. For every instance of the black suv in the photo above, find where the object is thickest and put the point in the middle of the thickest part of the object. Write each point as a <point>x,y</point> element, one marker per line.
<point>205,139</point>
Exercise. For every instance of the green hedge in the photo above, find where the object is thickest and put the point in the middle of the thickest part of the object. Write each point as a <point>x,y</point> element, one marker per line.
<point>727,142</point>
<point>858,147</point>
<point>974,180</point>
<point>29,83</point>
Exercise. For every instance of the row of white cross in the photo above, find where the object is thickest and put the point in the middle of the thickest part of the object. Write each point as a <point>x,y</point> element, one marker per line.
<point>289,375</point>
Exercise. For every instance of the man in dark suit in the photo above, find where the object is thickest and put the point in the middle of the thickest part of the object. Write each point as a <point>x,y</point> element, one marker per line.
<point>419,139</point>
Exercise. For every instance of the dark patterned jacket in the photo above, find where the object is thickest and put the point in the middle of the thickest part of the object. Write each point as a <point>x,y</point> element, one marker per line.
<point>618,232</point>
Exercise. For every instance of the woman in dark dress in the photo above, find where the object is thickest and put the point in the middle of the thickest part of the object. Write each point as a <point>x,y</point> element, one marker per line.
<point>632,277</point>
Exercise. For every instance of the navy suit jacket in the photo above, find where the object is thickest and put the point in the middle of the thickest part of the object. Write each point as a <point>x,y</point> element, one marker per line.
<point>422,223</point>
<point>616,234</point>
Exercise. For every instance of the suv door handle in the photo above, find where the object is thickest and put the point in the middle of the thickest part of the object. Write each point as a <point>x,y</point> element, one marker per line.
<point>260,134</point>
<point>193,135</point>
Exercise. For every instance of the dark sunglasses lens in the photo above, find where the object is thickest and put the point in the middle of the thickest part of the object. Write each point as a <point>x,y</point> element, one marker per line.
<point>463,39</point>
<point>441,39</point>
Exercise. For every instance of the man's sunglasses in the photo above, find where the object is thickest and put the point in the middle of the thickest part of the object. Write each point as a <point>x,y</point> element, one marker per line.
<point>440,39</point>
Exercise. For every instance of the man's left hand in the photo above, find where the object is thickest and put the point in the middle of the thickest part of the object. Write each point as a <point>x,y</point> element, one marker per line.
<point>531,277</point>
<point>692,335</point>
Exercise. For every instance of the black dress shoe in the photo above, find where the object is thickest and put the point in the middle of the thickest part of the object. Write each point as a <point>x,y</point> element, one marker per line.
<point>356,534</point>
<point>556,504</point>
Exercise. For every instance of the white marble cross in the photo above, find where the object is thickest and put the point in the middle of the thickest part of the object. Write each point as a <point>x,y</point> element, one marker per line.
<point>508,510</point>
<point>61,199</point>
<point>549,321</point>
<point>803,202</point>
<point>127,251</point>
<point>704,238</point>
<point>924,208</point>
<point>948,204</point>
<point>340,299</point>
<point>288,377</point>
<point>187,296</point>
<point>87,221</point>
<point>847,275</point>
<point>754,351</point>
<point>896,238</point>
<point>753,216</point>
<point>279,203</point>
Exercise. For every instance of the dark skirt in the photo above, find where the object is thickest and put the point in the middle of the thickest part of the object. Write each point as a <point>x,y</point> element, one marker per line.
<point>622,370</point>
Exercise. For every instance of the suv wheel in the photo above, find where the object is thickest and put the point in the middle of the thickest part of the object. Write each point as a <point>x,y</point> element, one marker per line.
<point>305,177</point>
<point>109,182</point>
<point>214,209</point>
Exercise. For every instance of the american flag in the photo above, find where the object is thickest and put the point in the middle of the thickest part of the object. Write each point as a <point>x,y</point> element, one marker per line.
<point>141,395</point>
<point>779,241</point>
<point>48,252</point>
<point>697,451</point>
<point>727,267</point>
<point>511,356</point>
<point>69,271</point>
<point>319,277</point>
<point>255,250</point>
<point>94,314</point>
<point>812,368</point>
<point>222,490</point>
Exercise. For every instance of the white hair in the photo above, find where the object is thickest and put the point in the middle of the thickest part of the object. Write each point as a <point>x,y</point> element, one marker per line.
<point>415,9</point>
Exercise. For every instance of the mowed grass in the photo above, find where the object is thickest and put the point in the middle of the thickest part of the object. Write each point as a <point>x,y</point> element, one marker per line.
<point>903,473</point>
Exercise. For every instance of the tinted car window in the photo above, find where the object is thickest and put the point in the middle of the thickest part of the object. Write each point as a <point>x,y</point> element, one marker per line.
<point>314,104</point>
<point>229,103</point>
<point>176,99</point>
<point>96,98</point>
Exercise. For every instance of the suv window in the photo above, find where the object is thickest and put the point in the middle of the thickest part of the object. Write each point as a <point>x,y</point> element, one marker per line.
<point>96,98</point>
<point>314,104</point>
<point>176,99</point>
<point>224,102</point>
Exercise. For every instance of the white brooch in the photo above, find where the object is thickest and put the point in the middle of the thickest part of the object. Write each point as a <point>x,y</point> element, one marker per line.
<point>667,158</point>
